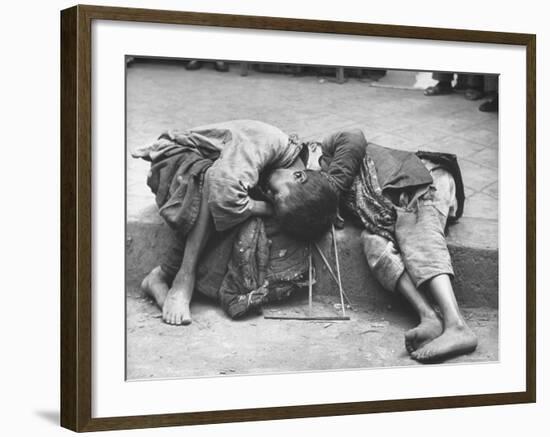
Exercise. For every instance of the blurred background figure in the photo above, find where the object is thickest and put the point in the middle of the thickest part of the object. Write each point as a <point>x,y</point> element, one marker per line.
<point>491,91</point>
<point>469,84</point>
<point>473,86</point>
<point>196,65</point>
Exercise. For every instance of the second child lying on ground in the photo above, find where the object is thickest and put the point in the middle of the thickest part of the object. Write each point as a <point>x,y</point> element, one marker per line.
<point>403,201</point>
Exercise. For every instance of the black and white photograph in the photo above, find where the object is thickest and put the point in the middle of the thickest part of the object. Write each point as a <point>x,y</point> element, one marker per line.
<point>275,218</point>
<point>299,218</point>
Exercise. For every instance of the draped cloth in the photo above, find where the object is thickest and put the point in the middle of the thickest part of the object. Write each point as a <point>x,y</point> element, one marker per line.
<point>367,203</point>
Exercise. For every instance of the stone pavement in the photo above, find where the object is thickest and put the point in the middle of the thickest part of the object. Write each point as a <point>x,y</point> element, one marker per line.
<point>165,96</point>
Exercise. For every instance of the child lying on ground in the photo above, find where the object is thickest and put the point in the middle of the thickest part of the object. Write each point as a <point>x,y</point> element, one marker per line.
<point>202,179</point>
<point>403,200</point>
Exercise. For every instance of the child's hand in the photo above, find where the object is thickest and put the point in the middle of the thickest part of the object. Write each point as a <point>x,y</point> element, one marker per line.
<point>257,297</point>
<point>260,208</point>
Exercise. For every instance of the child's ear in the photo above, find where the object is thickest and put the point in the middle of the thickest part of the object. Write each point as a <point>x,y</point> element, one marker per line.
<point>300,176</point>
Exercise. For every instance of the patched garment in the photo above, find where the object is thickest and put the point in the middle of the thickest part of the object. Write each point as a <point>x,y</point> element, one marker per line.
<point>419,245</point>
<point>366,202</point>
<point>391,178</point>
<point>253,266</point>
<point>234,152</point>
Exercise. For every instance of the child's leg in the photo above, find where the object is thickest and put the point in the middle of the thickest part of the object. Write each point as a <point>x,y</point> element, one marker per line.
<point>175,310</point>
<point>157,283</point>
<point>430,325</point>
<point>387,266</point>
<point>457,337</point>
<point>421,236</point>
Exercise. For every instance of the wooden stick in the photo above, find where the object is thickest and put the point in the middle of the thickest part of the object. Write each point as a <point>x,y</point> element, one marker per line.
<point>310,282</point>
<point>325,260</point>
<point>335,318</point>
<point>338,272</point>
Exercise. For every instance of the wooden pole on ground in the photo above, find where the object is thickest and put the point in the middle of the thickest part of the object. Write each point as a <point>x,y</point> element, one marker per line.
<point>329,268</point>
<point>320,318</point>
<point>311,317</point>
<point>310,283</point>
<point>338,272</point>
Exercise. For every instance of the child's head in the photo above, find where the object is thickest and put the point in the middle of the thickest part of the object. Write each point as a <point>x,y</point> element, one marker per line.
<point>305,202</point>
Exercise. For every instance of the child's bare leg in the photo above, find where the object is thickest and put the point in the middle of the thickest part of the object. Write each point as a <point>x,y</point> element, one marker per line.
<point>457,337</point>
<point>175,310</point>
<point>386,263</point>
<point>155,285</point>
<point>430,325</point>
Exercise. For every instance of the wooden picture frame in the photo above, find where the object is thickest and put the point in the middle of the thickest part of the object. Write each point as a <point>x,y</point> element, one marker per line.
<point>76,217</point>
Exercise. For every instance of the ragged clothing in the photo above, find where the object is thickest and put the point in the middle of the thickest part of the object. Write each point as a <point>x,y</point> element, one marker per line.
<point>235,152</point>
<point>246,267</point>
<point>419,244</point>
<point>375,179</point>
<point>342,154</point>
<point>403,200</point>
<point>366,202</point>
<point>176,178</point>
<point>376,209</point>
<point>262,269</point>
<point>248,261</point>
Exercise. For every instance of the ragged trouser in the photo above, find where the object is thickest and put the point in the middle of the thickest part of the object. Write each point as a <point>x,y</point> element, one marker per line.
<point>420,235</point>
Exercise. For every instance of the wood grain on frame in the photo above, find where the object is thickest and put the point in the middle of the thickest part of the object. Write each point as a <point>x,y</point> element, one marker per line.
<point>76,229</point>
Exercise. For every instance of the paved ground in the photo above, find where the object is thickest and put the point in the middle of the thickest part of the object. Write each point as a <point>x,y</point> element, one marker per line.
<point>165,96</point>
<point>215,345</point>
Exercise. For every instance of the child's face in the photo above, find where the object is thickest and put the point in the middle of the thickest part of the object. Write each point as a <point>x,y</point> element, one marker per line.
<point>281,182</point>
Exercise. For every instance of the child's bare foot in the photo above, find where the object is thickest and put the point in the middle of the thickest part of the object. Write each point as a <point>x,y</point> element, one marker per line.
<point>155,285</point>
<point>175,310</point>
<point>428,329</point>
<point>455,340</point>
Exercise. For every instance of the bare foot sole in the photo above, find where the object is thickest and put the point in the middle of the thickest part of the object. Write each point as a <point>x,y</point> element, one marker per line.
<point>426,331</point>
<point>155,286</point>
<point>175,310</point>
<point>454,341</point>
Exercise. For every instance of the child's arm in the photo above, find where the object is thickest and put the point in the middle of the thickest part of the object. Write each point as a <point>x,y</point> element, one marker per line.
<point>259,208</point>
<point>252,148</point>
<point>343,153</point>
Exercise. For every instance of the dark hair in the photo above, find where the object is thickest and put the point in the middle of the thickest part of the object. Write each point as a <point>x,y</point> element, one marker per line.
<point>308,211</point>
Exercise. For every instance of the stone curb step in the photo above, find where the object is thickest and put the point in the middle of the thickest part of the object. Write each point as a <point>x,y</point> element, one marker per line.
<point>476,267</point>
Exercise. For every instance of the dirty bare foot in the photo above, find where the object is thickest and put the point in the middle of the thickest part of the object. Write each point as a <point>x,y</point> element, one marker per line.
<point>428,329</point>
<point>455,340</point>
<point>175,310</point>
<point>155,285</point>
